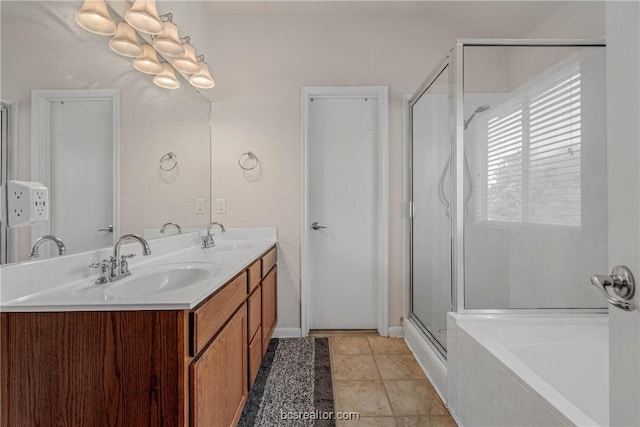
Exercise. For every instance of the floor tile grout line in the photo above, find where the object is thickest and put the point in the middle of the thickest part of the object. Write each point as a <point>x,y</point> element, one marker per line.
<point>386,394</point>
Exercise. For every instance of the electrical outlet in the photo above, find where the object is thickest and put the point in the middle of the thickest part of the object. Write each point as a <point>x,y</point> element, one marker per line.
<point>200,206</point>
<point>39,197</point>
<point>26,202</point>
<point>221,206</point>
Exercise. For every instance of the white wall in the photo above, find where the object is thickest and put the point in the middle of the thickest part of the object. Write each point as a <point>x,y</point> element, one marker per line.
<point>43,48</point>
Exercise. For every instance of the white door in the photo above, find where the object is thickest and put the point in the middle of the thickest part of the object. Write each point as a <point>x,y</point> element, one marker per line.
<point>81,186</point>
<point>623,157</point>
<point>342,199</point>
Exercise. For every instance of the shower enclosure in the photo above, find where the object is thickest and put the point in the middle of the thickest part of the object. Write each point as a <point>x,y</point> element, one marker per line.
<point>507,182</point>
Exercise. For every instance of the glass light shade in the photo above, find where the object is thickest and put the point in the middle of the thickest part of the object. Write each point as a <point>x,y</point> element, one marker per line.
<point>202,79</point>
<point>143,16</point>
<point>168,41</point>
<point>147,62</point>
<point>187,63</point>
<point>167,77</point>
<point>125,42</point>
<point>94,17</point>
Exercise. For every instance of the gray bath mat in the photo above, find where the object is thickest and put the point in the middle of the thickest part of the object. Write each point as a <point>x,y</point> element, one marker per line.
<point>293,386</point>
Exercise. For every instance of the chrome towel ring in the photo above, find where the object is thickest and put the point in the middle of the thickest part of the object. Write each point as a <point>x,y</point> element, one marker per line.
<point>168,162</point>
<point>248,161</point>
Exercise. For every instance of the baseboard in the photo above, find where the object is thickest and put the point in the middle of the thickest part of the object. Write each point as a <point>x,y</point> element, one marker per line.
<point>287,333</point>
<point>395,331</point>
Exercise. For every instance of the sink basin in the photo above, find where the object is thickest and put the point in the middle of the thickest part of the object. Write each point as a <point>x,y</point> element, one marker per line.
<point>145,282</point>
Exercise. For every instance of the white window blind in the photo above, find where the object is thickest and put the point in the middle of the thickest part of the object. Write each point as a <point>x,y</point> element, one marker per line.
<point>529,150</point>
<point>504,165</point>
<point>554,153</point>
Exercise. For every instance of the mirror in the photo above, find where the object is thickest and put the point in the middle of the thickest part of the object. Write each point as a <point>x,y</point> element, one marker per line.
<point>80,119</point>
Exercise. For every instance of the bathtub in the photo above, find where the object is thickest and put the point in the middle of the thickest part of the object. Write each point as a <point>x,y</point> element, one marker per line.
<point>528,370</point>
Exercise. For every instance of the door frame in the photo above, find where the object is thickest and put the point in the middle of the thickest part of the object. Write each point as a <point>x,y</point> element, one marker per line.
<point>381,93</point>
<point>41,100</point>
<point>12,169</point>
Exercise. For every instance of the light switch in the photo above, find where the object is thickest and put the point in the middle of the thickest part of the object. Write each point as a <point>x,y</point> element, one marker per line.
<point>221,206</point>
<point>200,206</point>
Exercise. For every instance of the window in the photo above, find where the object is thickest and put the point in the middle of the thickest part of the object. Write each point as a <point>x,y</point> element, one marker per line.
<point>528,152</point>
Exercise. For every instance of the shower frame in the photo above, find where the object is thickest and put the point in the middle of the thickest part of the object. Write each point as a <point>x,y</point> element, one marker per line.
<point>455,61</point>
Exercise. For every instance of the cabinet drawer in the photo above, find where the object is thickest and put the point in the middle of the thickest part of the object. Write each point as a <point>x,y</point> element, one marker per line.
<point>255,356</point>
<point>255,312</point>
<point>268,261</point>
<point>255,274</point>
<point>209,318</point>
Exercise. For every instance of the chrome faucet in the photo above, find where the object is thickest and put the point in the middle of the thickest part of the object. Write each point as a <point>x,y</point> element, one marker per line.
<point>117,267</point>
<point>173,224</point>
<point>207,241</point>
<point>35,252</point>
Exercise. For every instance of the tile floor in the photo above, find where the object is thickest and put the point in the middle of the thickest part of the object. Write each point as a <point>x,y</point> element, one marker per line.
<point>380,379</point>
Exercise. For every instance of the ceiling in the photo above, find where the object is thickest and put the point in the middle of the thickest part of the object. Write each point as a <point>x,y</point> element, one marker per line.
<point>489,18</point>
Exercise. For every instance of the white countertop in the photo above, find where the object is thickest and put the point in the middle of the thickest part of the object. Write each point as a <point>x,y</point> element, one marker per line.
<point>222,263</point>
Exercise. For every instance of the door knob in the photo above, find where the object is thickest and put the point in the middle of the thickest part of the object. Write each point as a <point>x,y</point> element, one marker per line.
<point>623,285</point>
<point>109,229</point>
<point>317,226</point>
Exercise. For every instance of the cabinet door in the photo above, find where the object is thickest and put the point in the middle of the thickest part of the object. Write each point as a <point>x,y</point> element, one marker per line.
<point>219,377</point>
<point>269,307</point>
<point>255,357</point>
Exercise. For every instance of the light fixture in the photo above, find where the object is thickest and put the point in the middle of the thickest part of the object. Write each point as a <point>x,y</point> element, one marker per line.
<point>94,17</point>
<point>147,62</point>
<point>168,41</point>
<point>167,77</point>
<point>202,78</point>
<point>143,16</point>
<point>125,42</point>
<point>187,63</point>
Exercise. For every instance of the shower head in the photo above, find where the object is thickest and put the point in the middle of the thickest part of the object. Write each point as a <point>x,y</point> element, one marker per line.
<point>480,109</point>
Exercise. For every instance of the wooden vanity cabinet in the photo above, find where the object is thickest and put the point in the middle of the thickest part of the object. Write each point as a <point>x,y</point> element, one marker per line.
<point>153,368</point>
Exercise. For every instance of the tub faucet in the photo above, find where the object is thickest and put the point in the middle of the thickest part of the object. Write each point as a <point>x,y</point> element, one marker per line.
<point>117,267</point>
<point>172,224</point>
<point>35,252</point>
<point>207,241</point>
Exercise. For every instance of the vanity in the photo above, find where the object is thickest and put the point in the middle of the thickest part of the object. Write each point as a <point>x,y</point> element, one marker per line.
<point>185,352</point>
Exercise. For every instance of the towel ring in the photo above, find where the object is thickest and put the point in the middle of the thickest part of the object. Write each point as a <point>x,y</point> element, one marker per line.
<point>249,158</point>
<point>169,158</point>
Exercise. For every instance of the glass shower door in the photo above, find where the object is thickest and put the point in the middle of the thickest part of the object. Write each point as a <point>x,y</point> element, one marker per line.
<point>431,211</point>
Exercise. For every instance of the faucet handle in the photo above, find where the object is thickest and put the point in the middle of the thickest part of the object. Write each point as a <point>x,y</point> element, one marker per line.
<point>98,264</point>
<point>124,265</point>
<point>105,270</point>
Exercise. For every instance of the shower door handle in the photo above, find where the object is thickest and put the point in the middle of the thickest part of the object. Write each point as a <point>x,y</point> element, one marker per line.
<point>623,285</point>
